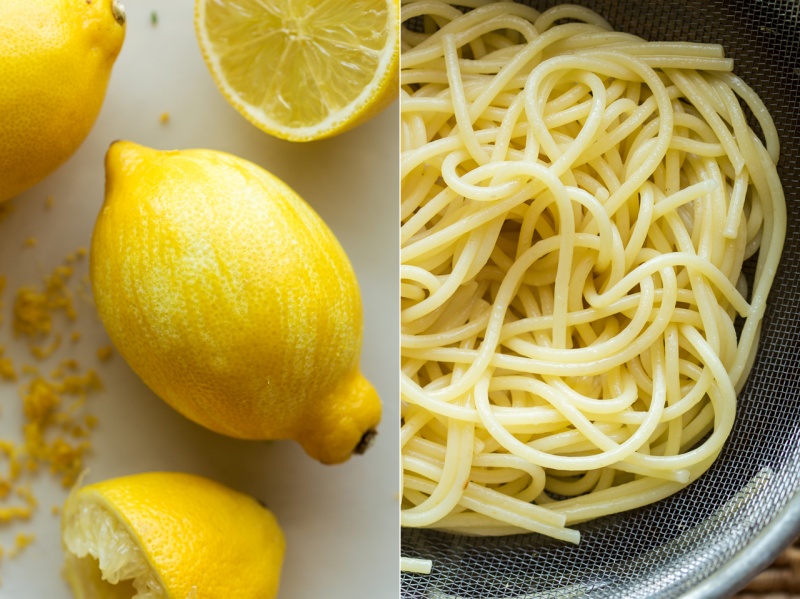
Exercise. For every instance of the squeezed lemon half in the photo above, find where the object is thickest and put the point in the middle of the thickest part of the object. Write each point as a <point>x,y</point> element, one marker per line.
<point>167,535</point>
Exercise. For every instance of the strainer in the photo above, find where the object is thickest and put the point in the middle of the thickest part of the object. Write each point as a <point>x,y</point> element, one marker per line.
<point>711,538</point>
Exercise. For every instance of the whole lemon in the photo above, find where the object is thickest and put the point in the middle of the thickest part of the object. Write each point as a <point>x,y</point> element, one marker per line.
<point>169,535</point>
<point>55,62</point>
<point>231,299</point>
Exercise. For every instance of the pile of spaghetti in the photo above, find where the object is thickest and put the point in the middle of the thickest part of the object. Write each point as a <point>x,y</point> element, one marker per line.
<point>577,206</point>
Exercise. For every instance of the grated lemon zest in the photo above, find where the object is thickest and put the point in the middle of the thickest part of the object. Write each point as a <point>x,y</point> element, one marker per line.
<point>55,429</point>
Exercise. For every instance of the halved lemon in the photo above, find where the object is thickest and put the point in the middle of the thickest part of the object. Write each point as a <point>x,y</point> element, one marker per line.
<point>302,69</point>
<point>168,535</point>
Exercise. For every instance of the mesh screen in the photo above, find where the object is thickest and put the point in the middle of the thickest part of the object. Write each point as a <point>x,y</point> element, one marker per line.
<point>667,548</point>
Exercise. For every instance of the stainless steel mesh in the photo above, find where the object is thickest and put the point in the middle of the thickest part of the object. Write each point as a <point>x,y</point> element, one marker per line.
<point>710,538</point>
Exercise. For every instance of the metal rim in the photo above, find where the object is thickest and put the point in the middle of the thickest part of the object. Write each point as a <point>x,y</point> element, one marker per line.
<point>753,558</point>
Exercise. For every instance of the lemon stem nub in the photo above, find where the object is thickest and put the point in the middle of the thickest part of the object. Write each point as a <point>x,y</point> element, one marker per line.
<point>365,441</point>
<point>118,11</point>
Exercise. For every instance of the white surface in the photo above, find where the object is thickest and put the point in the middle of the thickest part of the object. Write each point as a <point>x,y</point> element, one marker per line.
<point>341,522</point>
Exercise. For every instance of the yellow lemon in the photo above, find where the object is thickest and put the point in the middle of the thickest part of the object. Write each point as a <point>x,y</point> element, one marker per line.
<point>55,62</point>
<point>231,299</point>
<point>169,535</point>
<point>302,69</point>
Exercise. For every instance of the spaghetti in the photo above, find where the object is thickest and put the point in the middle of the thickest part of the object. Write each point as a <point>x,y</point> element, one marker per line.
<point>577,207</point>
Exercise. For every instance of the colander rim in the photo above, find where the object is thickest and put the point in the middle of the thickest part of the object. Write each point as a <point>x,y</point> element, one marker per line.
<point>754,557</point>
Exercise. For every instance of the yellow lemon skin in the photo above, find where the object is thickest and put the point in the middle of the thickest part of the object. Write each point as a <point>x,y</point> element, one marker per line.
<point>199,538</point>
<point>231,299</point>
<point>55,62</point>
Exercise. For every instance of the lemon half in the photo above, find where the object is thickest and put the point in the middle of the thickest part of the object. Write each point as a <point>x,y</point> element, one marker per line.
<point>302,69</point>
<point>166,535</point>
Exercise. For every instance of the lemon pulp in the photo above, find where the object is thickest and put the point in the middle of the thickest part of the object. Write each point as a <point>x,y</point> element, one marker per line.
<point>103,560</point>
<point>302,69</point>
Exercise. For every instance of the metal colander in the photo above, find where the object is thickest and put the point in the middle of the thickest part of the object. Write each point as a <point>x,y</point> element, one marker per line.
<point>711,538</point>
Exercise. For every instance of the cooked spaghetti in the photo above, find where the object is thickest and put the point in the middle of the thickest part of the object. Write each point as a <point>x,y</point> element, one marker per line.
<point>577,207</point>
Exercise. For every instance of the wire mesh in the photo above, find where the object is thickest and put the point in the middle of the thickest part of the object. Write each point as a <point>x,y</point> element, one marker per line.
<point>666,549</point>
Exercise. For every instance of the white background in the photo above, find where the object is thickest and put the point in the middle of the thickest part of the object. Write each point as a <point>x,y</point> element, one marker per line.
<point>341,522</point>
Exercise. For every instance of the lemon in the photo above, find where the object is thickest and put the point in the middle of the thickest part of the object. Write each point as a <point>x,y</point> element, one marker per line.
<point>55,62</point>
<point>168,535</point>
<point>302,69</point>
<point>231,299</point>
